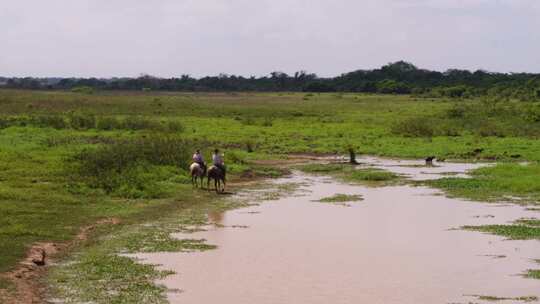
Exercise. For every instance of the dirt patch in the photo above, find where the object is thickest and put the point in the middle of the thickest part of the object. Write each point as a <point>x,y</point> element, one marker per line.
<point>27,277</point>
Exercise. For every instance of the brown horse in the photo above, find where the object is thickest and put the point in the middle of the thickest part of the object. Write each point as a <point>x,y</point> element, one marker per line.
<point>218,176</point>
<point>197,172</point>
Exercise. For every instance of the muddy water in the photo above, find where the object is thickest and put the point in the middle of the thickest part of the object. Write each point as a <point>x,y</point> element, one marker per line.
<point>395,246</point>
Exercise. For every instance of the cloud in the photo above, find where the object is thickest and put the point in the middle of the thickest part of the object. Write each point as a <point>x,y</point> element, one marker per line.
<point>201,37</point>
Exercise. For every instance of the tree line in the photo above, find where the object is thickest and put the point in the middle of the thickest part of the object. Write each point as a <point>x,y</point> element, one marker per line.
<point>395,78</point>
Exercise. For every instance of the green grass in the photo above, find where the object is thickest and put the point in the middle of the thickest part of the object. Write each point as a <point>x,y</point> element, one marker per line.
<point>54,149</point>
<point>349,173</point>
<point>522,229</point>
<point>500,182</point>
<point>525,299</point>
<point>529,222</point>
<point>324,123</point>
<point>371,175</point>
<point>533,274</point>
<point>107,278</point>
<point>341,199</point>
<point>514,232</point>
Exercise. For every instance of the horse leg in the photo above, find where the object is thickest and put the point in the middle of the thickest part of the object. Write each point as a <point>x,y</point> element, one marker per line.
<point>216,184</point>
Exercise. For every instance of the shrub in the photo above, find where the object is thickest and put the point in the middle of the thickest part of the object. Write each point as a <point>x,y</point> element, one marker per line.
<point>235,158</point>
<point>457,111</point>
<point>250,146</point>
<point>139,123</point>
<point>82,121</point>
<point>267,122</point>
<point>248,121</point>
<point>532,113</point>
<point>49,121</point>
<point>487,129</point>
<point>414,127</point>
<point>128,164</point>
<point>83,90</point>
<point>4,122</point>
<point>109,123</point>
<point>450,131</point>
<point>175,126</point>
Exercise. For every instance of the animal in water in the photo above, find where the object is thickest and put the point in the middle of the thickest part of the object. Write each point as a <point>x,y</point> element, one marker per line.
<point>197,173</point>
<point>218,175</point>
<point>429,160</point>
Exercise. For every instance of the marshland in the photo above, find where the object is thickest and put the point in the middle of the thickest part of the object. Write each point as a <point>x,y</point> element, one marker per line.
<point>102,177</point>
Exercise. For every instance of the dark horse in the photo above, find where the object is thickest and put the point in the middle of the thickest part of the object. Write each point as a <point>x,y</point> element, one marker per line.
<point>218,176</point>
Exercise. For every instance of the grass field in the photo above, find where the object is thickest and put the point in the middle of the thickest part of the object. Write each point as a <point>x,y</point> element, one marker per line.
<point>69,159</point>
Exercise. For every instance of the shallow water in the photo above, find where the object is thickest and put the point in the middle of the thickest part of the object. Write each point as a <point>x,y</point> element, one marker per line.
<point>395,246</point>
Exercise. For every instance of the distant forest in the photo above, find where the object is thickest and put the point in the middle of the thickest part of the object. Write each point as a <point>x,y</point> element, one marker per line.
<point>395,78</point>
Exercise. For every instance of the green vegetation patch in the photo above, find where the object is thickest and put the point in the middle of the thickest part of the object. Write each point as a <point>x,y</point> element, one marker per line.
<point>341,199</point>
<point>514,232</point>
<point>374,175</point>
<point>132,168</point>
<point>99,277</point>
<point>68,159</point>
<point>153,240</point>
<point>529,222</point>
<point>350,173</point>
<point>525,299</point>
<point>506,181</point>
<point>533,274</point>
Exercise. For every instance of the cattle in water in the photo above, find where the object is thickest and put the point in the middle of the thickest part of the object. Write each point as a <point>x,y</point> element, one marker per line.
<point>429,160</point>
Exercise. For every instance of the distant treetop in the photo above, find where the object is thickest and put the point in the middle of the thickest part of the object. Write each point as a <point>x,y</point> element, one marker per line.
<point>399,77</point>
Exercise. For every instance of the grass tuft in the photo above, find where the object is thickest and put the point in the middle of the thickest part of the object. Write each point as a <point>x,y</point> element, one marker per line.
<point>341,198</point>
<point>498,182</point>
<point>513,232</point>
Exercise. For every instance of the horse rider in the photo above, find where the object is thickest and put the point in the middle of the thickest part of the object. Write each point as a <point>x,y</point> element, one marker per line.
<point>198,158</point>
<point>217,160</point>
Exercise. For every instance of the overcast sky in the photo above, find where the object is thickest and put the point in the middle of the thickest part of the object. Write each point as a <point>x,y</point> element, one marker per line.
<point>255,37</point>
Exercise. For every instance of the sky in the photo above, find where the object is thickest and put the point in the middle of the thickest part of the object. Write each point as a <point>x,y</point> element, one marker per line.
<point>167,38</point>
